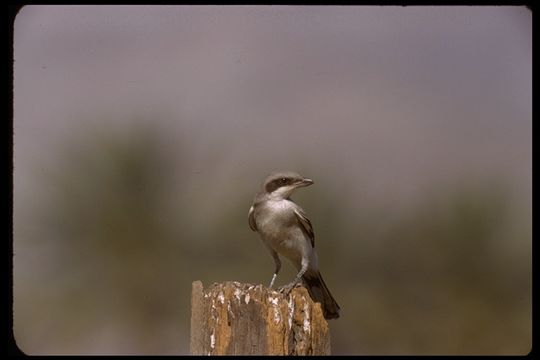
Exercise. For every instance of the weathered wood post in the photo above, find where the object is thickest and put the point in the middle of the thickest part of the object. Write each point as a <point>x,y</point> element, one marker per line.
<point>243,319</point>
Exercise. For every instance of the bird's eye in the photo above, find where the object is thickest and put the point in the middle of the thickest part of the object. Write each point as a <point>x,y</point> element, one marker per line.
<point>283,180</point>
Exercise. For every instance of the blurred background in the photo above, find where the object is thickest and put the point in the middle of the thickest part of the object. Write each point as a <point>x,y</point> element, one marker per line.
<point>142,133</point>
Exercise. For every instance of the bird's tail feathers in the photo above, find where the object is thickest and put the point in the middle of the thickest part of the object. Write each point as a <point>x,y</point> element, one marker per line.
<point>319,293</point>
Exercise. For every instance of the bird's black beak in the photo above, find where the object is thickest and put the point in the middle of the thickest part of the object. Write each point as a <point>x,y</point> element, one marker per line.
<point>305,182</point>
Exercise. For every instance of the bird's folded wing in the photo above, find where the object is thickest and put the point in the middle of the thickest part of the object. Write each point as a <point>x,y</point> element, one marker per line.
<point>251,219</point>
<point>306,225</point>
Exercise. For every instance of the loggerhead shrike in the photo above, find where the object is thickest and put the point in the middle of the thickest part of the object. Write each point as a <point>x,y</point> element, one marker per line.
<point>285,229</point>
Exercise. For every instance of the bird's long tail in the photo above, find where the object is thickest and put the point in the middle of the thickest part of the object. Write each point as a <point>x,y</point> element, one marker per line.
<point>319,293</point>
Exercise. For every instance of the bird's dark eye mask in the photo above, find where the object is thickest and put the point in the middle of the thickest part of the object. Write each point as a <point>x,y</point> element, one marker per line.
<point>277,183</point>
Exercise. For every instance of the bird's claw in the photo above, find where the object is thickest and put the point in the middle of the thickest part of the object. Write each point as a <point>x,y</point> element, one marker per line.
<point>286,289</point>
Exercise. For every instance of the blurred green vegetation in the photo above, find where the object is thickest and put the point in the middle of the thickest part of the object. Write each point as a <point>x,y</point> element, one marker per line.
<point>105,257</point>
<point>436,281</point>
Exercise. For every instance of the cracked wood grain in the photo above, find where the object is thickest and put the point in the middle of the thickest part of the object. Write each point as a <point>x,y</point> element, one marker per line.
<point>232,318</point>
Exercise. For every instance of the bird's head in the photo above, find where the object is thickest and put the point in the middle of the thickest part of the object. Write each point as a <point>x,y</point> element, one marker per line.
<point>280,185</point>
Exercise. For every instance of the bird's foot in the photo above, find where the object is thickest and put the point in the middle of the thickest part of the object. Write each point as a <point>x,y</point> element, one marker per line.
<point>286,289</point>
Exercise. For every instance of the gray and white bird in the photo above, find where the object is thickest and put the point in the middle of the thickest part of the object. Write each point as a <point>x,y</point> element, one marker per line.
<point>285,230</point>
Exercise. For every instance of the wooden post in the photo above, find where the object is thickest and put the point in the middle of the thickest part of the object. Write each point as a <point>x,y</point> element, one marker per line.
<point>243,319</point>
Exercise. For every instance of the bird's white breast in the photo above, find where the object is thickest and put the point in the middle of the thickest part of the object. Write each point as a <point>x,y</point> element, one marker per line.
<point>278,226</point>
<point>276,215</point>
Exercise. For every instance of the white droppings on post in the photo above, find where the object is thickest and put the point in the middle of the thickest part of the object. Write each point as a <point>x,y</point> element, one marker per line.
<point>275,301</point>
<point>277,316</point>
<point>212,341</point>
<point>221,298</point>
<point>229,310</point>
<point>307,322</point>
<point>237,293</point>
<point>290,306</point>
<point>214,312</point>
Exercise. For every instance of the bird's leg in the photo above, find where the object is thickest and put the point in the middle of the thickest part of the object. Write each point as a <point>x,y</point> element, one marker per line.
<point>277,262</point>
<point>272,281</point>
<point>297,280</point>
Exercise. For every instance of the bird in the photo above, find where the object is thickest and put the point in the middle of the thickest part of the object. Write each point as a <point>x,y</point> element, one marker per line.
<point>286,230</point>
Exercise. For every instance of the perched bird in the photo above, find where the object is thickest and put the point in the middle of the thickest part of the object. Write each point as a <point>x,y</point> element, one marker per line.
<point>286,230</point>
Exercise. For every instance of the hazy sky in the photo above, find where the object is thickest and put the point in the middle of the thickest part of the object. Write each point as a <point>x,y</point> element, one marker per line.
<point>371,92</point>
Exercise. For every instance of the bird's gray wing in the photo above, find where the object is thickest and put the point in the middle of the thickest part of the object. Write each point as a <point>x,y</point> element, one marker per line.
<point>251,219</point>
<point>305,224</point>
